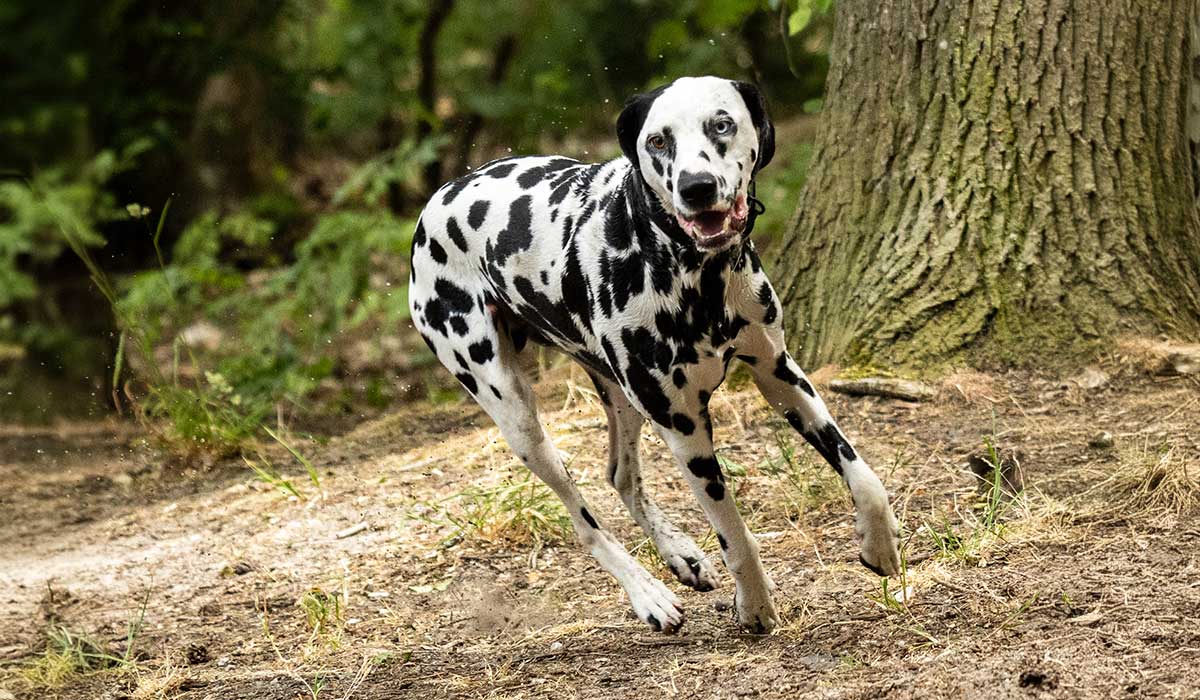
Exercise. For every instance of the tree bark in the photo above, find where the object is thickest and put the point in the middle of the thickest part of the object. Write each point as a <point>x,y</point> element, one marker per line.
<point>1006,180</point>
<point>439,11</point>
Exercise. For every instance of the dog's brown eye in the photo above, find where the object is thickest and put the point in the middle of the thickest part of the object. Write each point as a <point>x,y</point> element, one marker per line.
<point>657,142</point>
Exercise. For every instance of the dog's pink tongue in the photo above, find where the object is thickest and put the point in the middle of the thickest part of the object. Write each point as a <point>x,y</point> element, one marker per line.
<point>711,223</point>
<point>740,207</point>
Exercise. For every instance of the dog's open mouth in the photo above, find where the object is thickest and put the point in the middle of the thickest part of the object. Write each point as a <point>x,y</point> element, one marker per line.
<point>713,228</point>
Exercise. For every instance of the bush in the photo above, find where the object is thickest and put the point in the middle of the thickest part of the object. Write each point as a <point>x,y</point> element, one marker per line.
<point>222,349</point>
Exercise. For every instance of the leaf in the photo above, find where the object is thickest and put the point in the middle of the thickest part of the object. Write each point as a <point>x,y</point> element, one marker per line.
<point>800,18</point>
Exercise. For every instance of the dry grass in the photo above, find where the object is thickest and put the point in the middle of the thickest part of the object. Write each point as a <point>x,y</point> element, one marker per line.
<point>486,595</point>
<point>1151,481</point>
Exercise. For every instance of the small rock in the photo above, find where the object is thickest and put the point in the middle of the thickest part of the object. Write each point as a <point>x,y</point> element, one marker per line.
<point>1036,679</point>
<point>241,568</point>
<point>1102,440</point>
<point>1089,378</point>
<point>196,654</point>
<point>555,646</point>
<point>1012,474</point>
<point>203,335</point>
<point>1087,618</point>
<point>352,530</point>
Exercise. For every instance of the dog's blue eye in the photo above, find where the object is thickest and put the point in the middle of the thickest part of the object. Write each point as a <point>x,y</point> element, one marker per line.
<point>723,127</point>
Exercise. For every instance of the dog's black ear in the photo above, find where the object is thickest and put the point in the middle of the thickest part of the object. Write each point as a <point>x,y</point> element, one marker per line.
<point>629,124</point>
<point>757,104</point>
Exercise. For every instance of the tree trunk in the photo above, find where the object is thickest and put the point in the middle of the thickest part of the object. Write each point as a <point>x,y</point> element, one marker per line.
<point>1004,180</point>
<point>427,82</point>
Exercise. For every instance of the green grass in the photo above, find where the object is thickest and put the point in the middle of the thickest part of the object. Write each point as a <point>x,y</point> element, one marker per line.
<point>70,654</point>
<point>805,485</point>
<point>322,611</point>
<point>515,510</point>
<point>967,541</point>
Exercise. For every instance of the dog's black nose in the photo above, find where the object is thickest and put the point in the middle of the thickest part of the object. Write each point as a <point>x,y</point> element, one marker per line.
<point>697,190</point>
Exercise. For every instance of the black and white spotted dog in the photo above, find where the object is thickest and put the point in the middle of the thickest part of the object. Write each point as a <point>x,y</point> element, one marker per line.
<point>642,270</point>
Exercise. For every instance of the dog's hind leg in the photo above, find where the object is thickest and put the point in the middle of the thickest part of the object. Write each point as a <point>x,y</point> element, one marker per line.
<point>685,559</point>
<point>486,364</point>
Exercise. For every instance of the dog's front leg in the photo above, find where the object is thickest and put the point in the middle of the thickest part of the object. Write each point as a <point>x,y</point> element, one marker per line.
<point>739,549</point>
<point>785,387</point>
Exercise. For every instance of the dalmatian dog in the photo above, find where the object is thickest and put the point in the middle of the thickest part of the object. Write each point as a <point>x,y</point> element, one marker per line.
<point>642,270</point>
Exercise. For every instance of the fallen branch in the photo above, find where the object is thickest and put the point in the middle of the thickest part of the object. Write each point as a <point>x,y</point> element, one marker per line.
<point>887,387</point>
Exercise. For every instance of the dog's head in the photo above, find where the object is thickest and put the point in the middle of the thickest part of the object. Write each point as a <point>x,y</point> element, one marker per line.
<point>698,143</point>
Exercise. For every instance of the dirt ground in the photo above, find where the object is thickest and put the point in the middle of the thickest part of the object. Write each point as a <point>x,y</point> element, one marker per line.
<point>1087,587</point>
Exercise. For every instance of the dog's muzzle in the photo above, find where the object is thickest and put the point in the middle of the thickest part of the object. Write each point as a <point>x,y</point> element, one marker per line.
<point>714,228</point>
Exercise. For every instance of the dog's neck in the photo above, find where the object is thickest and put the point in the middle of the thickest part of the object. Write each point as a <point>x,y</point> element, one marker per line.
<point>656,228</point>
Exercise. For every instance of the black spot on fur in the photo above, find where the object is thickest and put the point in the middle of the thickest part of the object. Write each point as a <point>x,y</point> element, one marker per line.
<point>458,325</point>
<point>468,381</point>
<point>785,373</point>
<point>547,317</point>
<point>766,298</point>
<point>648,390</point>
<point>679,377</point>
<point>748,359</point>
<point>419,236</point>
<point>500,171</point>
<point>455,188</point>
<point>827,440</point>
<point>721,541</point>
<point>530,178</point>
<point>437,252</point>
<point>456,234</point>
<point>517,236</point>
<point>481,352</point>
<point>588,517</point>
<point>628,279</point>
<point>478,212</point>
<point>618,234</point>
<point>708,469</point>
<point>668,150</point>
<point>448,304</point>
<point>683,424</point>
<point>496,392</point>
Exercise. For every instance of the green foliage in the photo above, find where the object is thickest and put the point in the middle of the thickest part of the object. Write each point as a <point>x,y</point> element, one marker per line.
<point>274,331</point>
<point>516,510</point>
<point>292,140</point>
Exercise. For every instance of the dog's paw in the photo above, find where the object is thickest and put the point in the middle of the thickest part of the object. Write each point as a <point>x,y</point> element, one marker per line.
<point>692,567</point>
<point>756,611</point>
<point>655,604</point>
<point>880,541</point>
